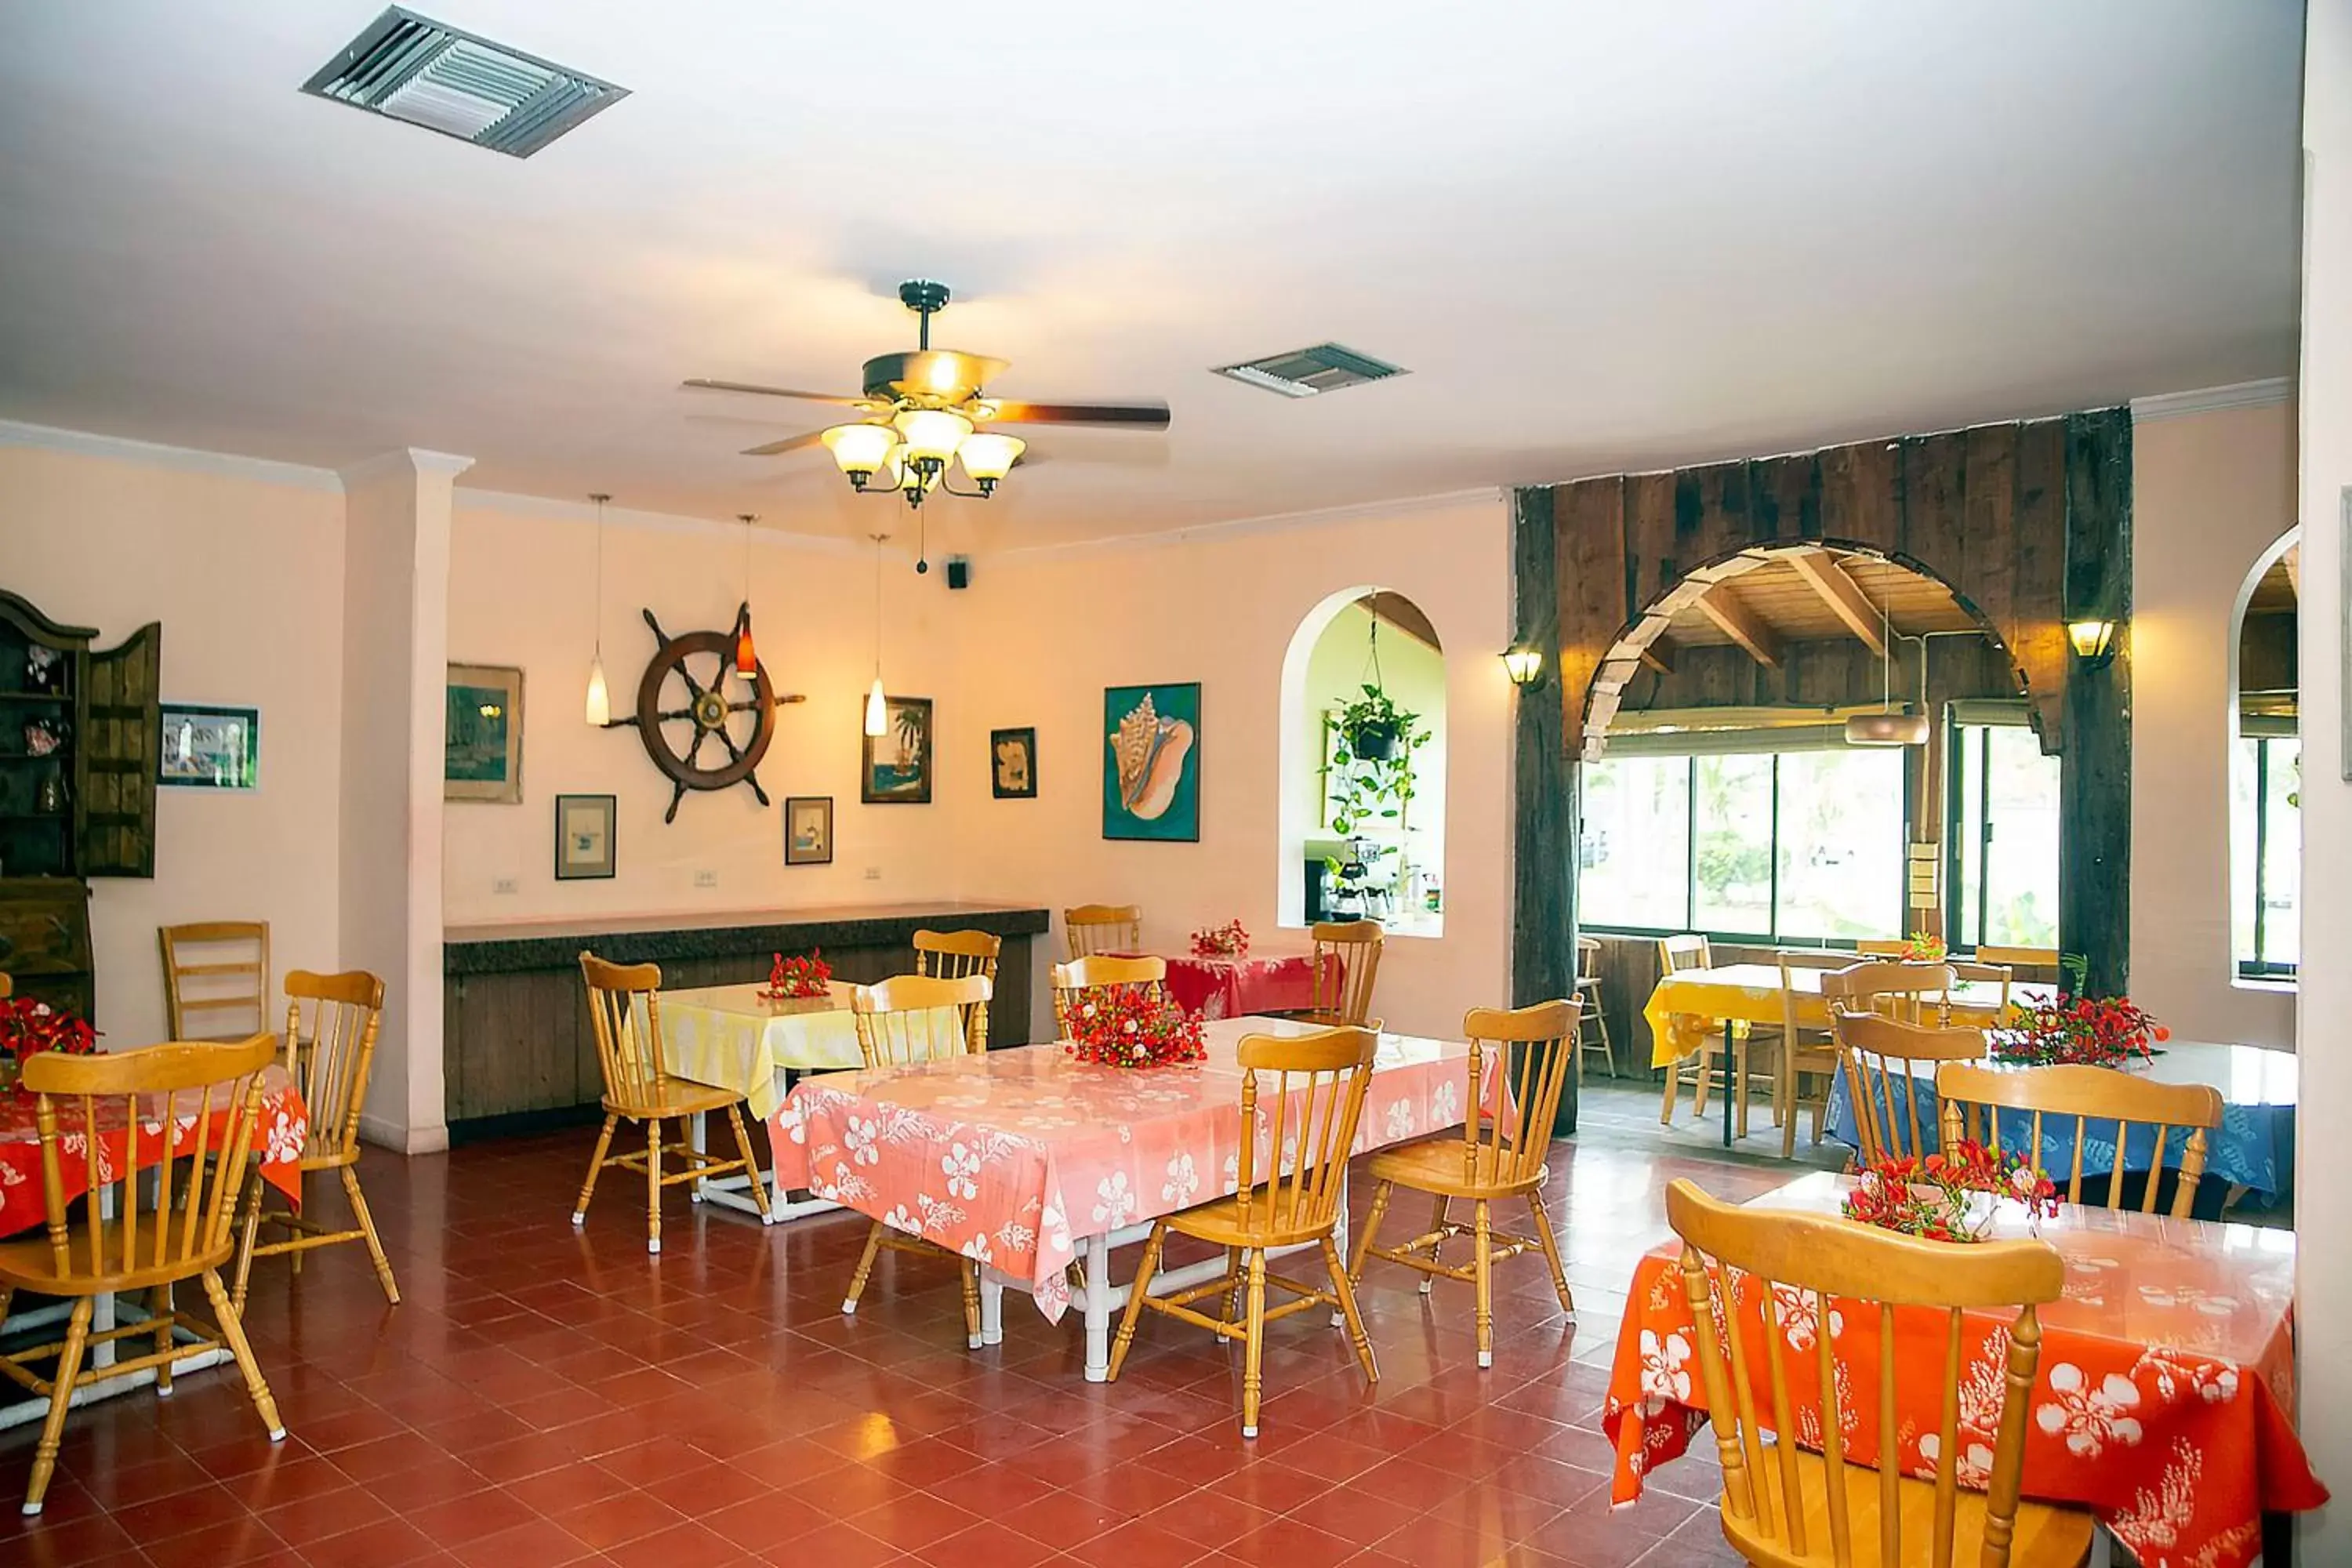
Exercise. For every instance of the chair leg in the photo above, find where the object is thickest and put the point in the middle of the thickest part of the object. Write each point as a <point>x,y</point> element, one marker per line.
<point>44,1457</point>
<point>595,1164</point>
<point>751,1165</point>
<point>1698,1094</point>
<point>231,1328</point>
<point>1436,1225</point>
<point>1673,1088</point>
<point>159,1307</point>
<point>1738,1087</point>
<point>653,1183</point>
<point>367,1233</point>
<point>865,1267</point>
<point>1345,1290</point>
<point>968,1272</point>
<point>1135,1295</point>
<point>1551,1244</point>
<point>1608,1048</point>
<point>1253,1347</point>
<point>1789,1122</point>
<point>1486,1266</point>
<point>1380,1211</point>
<point>251,1239</point>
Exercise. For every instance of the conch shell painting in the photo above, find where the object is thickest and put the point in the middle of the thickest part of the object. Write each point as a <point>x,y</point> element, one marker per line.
<point>1150,752</point>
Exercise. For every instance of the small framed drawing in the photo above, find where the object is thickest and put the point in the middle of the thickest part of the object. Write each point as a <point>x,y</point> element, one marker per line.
<point>585,835</point>
<point>1013,763</point>
<point>897,761</point>
<point>482,755</point>
<point>1151,766</point>
<point>207,747</point>
<point>808,830</point>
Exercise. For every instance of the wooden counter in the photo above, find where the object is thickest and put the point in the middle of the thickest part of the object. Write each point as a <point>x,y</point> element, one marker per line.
<point>517,1049</point>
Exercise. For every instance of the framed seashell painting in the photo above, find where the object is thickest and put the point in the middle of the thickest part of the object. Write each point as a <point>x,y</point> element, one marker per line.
<point>1151,763</point>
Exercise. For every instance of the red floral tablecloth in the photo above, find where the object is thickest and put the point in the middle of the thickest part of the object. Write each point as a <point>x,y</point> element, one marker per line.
<point>277,1137</point>
<point>2164,1401</point>
<point>1233,987</point>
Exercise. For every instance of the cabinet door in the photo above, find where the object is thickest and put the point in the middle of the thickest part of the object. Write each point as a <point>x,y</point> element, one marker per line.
<point>121,742</point>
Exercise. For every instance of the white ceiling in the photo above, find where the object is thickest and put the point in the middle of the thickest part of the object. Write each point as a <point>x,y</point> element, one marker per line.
<point>1601,236</point>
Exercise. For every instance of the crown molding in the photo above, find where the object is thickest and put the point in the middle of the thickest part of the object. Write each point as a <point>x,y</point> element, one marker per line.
<point>552,509</point>
<point>1238,528</point>
<point>415,461</point>
<point>156,455</point>
<point>2213,399</point>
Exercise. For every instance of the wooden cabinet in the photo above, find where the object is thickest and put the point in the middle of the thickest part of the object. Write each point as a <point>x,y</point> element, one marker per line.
<point>45,941</point>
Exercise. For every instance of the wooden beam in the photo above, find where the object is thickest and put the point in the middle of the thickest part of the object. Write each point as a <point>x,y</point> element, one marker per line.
<point>1742,624</point>
<point>1821,571</point>
<point>1659,654</point>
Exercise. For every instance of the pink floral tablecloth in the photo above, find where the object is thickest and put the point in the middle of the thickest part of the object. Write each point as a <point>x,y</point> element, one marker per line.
<point>1231,987</point>
<point>1012,1157</point>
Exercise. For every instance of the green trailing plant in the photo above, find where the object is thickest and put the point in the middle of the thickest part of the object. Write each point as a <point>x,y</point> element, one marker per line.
<point>1372,744</point>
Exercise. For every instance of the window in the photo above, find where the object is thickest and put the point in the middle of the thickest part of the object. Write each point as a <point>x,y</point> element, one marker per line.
<point>2003,810</point>
<point>2266,853</point>
<point>1796,846</point>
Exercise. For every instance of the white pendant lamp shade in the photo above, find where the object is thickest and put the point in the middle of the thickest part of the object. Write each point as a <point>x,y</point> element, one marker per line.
<point>877,710</point>
<point>859,448</point>
<point>989,456</point>
<point>1887,730</point>
<point>931,435</point>
<point>600,699</point>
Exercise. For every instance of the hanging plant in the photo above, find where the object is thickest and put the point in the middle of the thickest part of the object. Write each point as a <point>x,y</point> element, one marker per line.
<point>1372,757</point>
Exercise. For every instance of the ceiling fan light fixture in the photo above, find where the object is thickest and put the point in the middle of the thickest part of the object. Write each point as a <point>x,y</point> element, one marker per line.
<point>931,435</point>
<point>859,449</point>
<point>988,457</point>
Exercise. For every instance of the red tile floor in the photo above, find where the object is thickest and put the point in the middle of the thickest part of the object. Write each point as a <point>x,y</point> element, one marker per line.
<point>545,1396</point>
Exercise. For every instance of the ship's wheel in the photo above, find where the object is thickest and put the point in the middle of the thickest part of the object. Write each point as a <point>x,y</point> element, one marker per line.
<point>705,725</point>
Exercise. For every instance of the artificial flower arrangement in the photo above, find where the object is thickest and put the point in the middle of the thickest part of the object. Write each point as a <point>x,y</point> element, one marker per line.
<point>1925,947</point>
<point>1230,939</point>
<point>1134,1027</point>
<point>1937,1197</point>
<point>28,1027</point>
<point>791,979</point>
<point>2107,1032</point>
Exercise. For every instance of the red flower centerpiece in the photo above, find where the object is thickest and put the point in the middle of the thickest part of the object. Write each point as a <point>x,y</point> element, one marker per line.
<point>1943,1196</point>
<point>28,1027</point>
<point>2107,1032</point>
<point>1133,1026</point>
<point>1230,939</point>
<point>791,979</point>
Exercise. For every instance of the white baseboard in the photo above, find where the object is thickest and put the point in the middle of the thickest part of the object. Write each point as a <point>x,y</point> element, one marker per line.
<point>432,1139</point>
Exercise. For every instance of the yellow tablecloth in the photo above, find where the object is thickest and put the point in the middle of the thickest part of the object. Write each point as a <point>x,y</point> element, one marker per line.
<point>1692,1003</point>
<point>730,1037</point>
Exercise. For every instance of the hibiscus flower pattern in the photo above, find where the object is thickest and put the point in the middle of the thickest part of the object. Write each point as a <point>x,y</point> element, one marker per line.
<point>1665,1371</point>
<point>2090,1416</point>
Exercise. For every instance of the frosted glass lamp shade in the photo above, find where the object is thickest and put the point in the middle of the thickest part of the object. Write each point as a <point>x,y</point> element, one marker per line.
<point>989,457</point>
<point>931,435</point>
<point>599,710</point>
<point>877,710</point>
<point>859,448</point>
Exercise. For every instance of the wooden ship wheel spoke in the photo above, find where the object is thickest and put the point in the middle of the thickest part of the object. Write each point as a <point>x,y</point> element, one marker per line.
<point>675,734</point>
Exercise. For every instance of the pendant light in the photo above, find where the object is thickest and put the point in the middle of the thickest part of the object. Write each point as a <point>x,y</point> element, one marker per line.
<point>877,708</point>
<point>1886,727</point>
<point>746,657</point>
<point>599,706</point>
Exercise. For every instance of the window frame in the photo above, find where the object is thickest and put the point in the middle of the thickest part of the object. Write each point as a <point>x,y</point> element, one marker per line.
<point>2259,967</point>
<point>1964,717</point>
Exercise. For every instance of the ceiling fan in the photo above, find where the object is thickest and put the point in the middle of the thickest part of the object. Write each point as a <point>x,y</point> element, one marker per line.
<point>922,411</point>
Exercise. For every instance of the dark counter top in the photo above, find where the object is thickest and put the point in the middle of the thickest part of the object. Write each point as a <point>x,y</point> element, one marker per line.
<point>506,947</point>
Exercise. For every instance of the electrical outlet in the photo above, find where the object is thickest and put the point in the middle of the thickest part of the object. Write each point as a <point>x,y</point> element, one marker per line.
<point>503,885</point>
<point>706,879</point>
<point>872,873</point>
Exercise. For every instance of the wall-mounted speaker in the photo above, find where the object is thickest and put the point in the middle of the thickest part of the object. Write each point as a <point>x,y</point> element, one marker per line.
<point>959,571</point>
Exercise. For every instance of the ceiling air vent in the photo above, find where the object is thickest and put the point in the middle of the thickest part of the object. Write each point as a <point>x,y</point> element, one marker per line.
<point>407,68</point>
<point>1303,373</point>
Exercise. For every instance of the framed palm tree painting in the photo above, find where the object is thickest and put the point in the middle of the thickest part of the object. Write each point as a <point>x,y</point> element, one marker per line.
<point>897,768</point>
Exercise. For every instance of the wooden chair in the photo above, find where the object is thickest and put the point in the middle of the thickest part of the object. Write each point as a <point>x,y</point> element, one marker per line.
<point>7,986</point>
<point>330,1061</point>
<point>178,1223</point>
<point>1882,947</point>
<point>1974,1096</point>
<point>1828,1510</point>
<point>203,986</point>
<point>625,1005</point>
<point>1073,980</point>
<point>1999,975</point>
<point>1103,928</point>
<point>1315,1097</point>
<point>952,954</point>
<point>1891,990</point>
<point>1495,1157</point>
<point>1805,1050</point>
<point>1880,1055</point>
<point>1689,950</point>
<point>2019,957</point>
<point>1588,1009</point>
<point>1347,960</point>
<point>907,1021</point>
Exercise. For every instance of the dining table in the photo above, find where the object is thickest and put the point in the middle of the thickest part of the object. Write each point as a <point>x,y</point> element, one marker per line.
<point>1028,1160</point>
<point>2163,1401</point>
<point>1688,1005</point>
<point>1233,985</point>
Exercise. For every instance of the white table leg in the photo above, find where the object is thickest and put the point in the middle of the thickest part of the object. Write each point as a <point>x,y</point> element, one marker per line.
<point>1097,1309</point>
<point>699,1138</point>
<point>992,1307</point>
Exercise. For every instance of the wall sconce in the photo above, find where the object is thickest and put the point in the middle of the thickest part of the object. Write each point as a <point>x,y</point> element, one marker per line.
<point>1524,664</point>
<point>2093,640</point>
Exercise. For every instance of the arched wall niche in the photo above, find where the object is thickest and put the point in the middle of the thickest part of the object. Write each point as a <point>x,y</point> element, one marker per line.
<point>2265,768</point>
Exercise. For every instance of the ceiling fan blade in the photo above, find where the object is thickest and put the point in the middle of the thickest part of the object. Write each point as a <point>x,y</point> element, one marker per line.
<point>700,383</point>
<point>789,444</point>
<point>1128,416</point>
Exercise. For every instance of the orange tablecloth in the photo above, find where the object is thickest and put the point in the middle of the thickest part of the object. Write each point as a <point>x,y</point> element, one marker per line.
<point>277,1137</point>
<point>2163,1400</point>
<point>1231,987</point>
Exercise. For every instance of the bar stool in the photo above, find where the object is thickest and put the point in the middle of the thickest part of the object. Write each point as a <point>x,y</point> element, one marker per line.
<point>1588,991</point>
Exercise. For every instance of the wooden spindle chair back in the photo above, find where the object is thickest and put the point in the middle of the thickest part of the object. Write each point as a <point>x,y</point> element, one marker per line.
<point>330,1053</point>
<point>1310,1089</point>
<point>1901,990</point>
<point>952,954</point>
<point>1074,980</point>
<point>1999,975</point>
<point>215,979</point>
<point>2018,957</point>
<point>624,1006</point>
<point>1531,1050</point>
<point>1686,950</point>
<point>1103,928</point>
<point>913,1019</point>
<point>1346,961</point>
<point>1877,1055</point>
<point>2179,1115</point>
<point>1881,947</point>
<point>1773,1507</point>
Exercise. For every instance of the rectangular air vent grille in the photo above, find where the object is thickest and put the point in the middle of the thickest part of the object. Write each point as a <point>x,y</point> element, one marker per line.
<point>1303,373</point>
<point>408,67</point>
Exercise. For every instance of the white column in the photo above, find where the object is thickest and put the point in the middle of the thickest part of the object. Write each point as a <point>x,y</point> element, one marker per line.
<point>395,656</point>
<point>2324,1014</point>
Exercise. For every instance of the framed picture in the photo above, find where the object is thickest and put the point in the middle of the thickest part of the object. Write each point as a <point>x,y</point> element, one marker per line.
<point>1151,763</point>
<point>897,766</point>
<point>808,830</point>
<point>1013,763</point>
<point>206,747</point>
<point>483,755</point>
<point>585,831</point>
